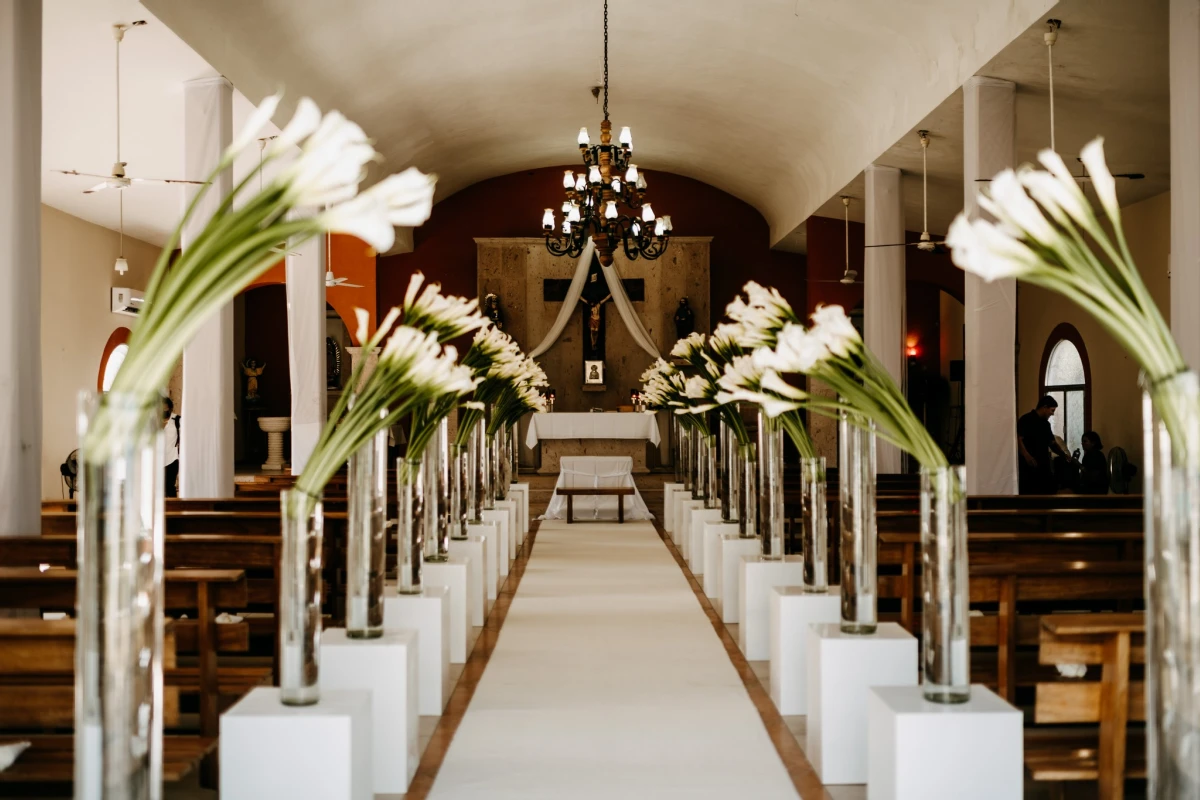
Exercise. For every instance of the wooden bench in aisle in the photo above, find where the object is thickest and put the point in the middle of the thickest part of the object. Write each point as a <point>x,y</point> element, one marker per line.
<point>1110,751</point>
<point>620,492</point>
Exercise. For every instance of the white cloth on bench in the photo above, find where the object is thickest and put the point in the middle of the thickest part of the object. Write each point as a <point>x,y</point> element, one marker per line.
<point>576,472</point>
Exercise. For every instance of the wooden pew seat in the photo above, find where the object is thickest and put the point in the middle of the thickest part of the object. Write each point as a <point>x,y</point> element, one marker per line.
<point>50,760</point>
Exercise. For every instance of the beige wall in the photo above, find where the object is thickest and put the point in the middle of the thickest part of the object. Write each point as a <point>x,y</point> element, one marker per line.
<point>1116,399</point>
<point>77,279</point>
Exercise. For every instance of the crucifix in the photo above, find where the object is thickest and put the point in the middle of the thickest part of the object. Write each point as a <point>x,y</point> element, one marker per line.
<point>593,313</point>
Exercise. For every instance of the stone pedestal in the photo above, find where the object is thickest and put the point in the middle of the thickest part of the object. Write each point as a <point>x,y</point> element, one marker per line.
<point>428,614</point>
<point>499,517</point>
<point>274,427</point>
<point>792,611</point>
<point>490,534</point>
<point>520,492</point>
<point>515,535</point>
<point>554,449</point>
<point>455,576</point>
<point>668,490</point>
<point>713,531</point>
<point>695,548</point>
<point>842,667</point>
<point>919,750</point>
<point>756,579</point>
<point>474,550</point>
<point>317,752</point>
<point>732,549</point>
<point>387,667</point>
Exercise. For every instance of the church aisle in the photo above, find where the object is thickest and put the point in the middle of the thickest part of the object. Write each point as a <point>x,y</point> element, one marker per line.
<point>608,681</point>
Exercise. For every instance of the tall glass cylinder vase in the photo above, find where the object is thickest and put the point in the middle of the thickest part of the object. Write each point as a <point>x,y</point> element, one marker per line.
<point>699,465</point>
<point>712,492</point>
<point>460,480</point>
<point>685,454</point>
<point>770,487</point>
<point>945,624</point>
<point>300,598</point>
<point>119,627</point>
<point>477,471</point>
<point>859,542</point>
<point>814,519</point>
<point>728,514</point>
<point>747,478</point>
<point>410,491</point>
<point>366,544</point>
<point>514,453</point>
<point>674,431</point>
<point>500,464</point>
<point>437,506</point>
<point>488,450</point>
<point>1171,446</point>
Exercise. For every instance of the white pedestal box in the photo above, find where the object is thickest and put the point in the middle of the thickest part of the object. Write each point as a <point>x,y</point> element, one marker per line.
<point>387,667</point>
<point>713,531</point>
<point>521,493</point>
<point>515,536</point>
<point>428,614</point>
<point>918,750</point>
<point>731,549</point>
<point>842,667</point>
<point>756,579</point>
<point>474,549</point>
<point>455,575</point>
<point>700,518</point>
<point>499,516</point>
<point>683,526</point>
<point>668,490</point>
<point>317,752</point>
<point>679,497</point>
<point>491,536</point>
<point>792,611</point>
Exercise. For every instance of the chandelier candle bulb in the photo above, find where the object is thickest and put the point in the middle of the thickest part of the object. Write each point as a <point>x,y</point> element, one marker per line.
<point>637,229</point>
<point>573,216</point>
<point>568,179</point>
<point>631,174</point>
<point>641,182</point>
<point>548,220</point>
<point>584,140</point>
<point>610,210</point>
<point>566,226</point>
<point>660,228</point>
<point>616,185</point>
<point>594,176</point>
<point>580,182</point>
<point>647,213</point>
<point>626,138</point>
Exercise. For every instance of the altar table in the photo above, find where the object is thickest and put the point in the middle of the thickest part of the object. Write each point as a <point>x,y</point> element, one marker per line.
<point>592,434</point>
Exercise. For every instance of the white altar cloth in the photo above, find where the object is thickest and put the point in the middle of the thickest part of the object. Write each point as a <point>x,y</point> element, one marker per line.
<point>592,425</point>
<point>594,471</point>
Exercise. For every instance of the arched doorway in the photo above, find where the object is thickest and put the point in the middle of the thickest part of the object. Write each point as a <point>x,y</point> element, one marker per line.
<point>1066,375</point>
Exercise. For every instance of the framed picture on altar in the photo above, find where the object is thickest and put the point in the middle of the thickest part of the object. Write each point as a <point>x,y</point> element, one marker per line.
<point>593,372</point>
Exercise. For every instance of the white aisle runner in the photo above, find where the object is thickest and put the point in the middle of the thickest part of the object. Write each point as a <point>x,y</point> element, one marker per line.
<point>608,681</point>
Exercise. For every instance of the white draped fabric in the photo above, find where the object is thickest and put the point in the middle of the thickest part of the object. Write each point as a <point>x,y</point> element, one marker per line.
<point>620,300</point>
<point>593,472</point>
<point>589,425</point>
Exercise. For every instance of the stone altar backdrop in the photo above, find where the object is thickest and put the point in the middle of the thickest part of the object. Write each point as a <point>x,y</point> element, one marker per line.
<point>515,268</point>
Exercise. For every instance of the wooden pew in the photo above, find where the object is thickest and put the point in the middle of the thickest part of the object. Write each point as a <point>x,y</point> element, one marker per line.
<point>37,660</point>
<point>1108,753</point>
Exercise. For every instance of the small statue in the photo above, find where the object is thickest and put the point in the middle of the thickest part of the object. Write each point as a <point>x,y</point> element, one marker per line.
<point>491,310</point>
<point>685,320</point>
<point>252,369</point>
<point>593,321</point>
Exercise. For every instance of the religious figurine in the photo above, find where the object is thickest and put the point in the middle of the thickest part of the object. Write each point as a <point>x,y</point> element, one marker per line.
<point>252,369</point>
<point>685,320</point>
<point>594,319</point>
<point>333,363</point>
<point>491,310</point>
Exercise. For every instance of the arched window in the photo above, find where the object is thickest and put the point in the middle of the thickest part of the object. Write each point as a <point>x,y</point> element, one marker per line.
<point>112,358</point>
<point>1066,376</point>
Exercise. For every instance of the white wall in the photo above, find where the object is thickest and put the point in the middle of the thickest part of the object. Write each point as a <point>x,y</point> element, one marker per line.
<point>77,278</point>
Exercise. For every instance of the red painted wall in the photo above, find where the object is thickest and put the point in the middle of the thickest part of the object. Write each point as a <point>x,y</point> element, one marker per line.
<point>511,205</point>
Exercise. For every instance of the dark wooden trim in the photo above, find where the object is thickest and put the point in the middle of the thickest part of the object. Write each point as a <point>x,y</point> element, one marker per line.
<point>118,337</point>
<point>1067,331</point>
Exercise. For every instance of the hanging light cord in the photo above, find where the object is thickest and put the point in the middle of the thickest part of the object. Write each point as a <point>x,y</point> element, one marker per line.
<point>1051,37</point>
<point>606,59</point>
<point>924,182</point>
<point>846,214</point>
<point>120,191</point>
<point>118,100</point>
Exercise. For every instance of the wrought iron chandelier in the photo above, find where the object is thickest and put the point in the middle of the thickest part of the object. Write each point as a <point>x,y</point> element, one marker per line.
<point>595,197</point>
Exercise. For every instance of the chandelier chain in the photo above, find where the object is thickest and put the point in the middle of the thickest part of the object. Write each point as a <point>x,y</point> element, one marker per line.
<point>606,59</point>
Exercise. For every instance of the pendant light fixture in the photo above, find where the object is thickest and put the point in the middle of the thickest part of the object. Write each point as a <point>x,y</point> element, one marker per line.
<point>595,196</point>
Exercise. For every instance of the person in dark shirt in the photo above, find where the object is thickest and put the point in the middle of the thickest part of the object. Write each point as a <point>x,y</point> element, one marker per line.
<point>1035,440</point>
<point>1093,477</point>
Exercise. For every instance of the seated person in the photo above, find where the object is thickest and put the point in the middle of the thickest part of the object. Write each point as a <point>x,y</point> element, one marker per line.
<point>1093,476</point>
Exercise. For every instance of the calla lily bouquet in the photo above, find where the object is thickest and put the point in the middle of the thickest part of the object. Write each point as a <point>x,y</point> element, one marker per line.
<point>241,239</point>
<point>519,398</point>
<point>1047,233</point>
<point>830,351</point>
<point>496,363</point>
<point>413,371</point>
<point>665,387</point>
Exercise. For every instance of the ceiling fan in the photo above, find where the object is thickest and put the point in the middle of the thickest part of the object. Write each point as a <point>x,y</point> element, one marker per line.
<point>336,283</point>
<point>850,276</point>
<point>118,179</point>
<point>925,243</point>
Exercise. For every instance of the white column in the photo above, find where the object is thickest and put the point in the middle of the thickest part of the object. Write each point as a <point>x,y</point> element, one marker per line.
<point>1185,176</point>
<point>206,416</point>
<point>884,283</point>
<point>21,267</point>
<point>990,310</point>
<point>306,347</point>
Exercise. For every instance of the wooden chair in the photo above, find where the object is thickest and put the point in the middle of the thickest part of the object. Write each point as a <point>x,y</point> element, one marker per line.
<point>1108,753</point>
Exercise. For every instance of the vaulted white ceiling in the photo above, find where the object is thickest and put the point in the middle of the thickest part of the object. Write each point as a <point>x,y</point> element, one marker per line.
<point>779,102</point>
<point>79,112</point>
